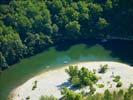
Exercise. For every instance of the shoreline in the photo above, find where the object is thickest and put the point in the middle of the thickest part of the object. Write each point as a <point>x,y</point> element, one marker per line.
<point>49,82</point>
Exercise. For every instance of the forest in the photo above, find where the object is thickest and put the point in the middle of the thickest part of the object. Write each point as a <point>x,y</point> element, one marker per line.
<point>28,27</point>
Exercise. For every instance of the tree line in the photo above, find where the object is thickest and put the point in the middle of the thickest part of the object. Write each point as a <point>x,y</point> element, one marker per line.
<point>28,27</point>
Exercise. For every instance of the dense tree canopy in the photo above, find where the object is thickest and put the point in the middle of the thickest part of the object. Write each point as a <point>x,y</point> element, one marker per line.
<point>30,26</point>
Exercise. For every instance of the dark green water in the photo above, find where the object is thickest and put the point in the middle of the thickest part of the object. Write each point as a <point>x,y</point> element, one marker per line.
<point>29,67</point>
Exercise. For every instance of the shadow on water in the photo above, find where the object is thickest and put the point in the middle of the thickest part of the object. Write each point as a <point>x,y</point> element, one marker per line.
<point>120,48</point>
<point>65,45</point>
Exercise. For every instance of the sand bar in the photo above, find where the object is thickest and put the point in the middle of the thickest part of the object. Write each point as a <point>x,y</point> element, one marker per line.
<point>49,83</point>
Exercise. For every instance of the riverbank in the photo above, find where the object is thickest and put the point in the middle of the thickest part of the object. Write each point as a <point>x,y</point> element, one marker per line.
<point>49,83</point>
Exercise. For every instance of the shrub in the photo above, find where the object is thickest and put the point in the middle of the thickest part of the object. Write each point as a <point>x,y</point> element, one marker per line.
<point>119,84</point>
<point>72,71</point>
<point>92,90</point>
<point>82,77</point>
<point>120,92</point>
<point>70,95</point>
<point>47,98</point>
<point>87,77</point>
<point>103,68</point>
<point>131,87</point>
<point>100,85</point>
<point>120,95</point>
<point>116,78</point>
<point>34,85</point>
<point>107,95</point>
<point>96,96</point>
<point>28,98</point>
<point>129,94</point>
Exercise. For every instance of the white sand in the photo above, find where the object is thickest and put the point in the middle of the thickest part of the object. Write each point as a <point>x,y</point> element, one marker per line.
<point>49,83</point>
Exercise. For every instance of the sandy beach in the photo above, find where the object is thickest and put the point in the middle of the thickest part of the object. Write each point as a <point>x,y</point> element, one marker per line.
<point>50,83</point>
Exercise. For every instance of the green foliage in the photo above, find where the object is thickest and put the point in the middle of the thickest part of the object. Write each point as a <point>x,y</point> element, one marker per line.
<point>48,98</point>
<point>82,77</point>
<point>102,23</point>
<point>37,42</point>
<point>3,63</point>
<point>92,89</point>
<point>55,7</point>
<point>108,5</point>
<point>11,45</point>
<point>107,95</point>
<point>73,27</point>
<point>75,81</point>
<point>95,8</point>
<point>103,68</point>
<point>119,84</point>
<point>116,78</point>
<point>100,85</point>
<point>72,71</point>
<point>87,77</point>
<point>129,94</point>
<point>120,95</point>
<point>96,96</point>
<point>71,95</point>
<point>71,13</point>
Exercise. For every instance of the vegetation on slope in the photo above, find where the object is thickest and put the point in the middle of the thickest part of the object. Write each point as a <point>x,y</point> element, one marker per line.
<point>107,95</point>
